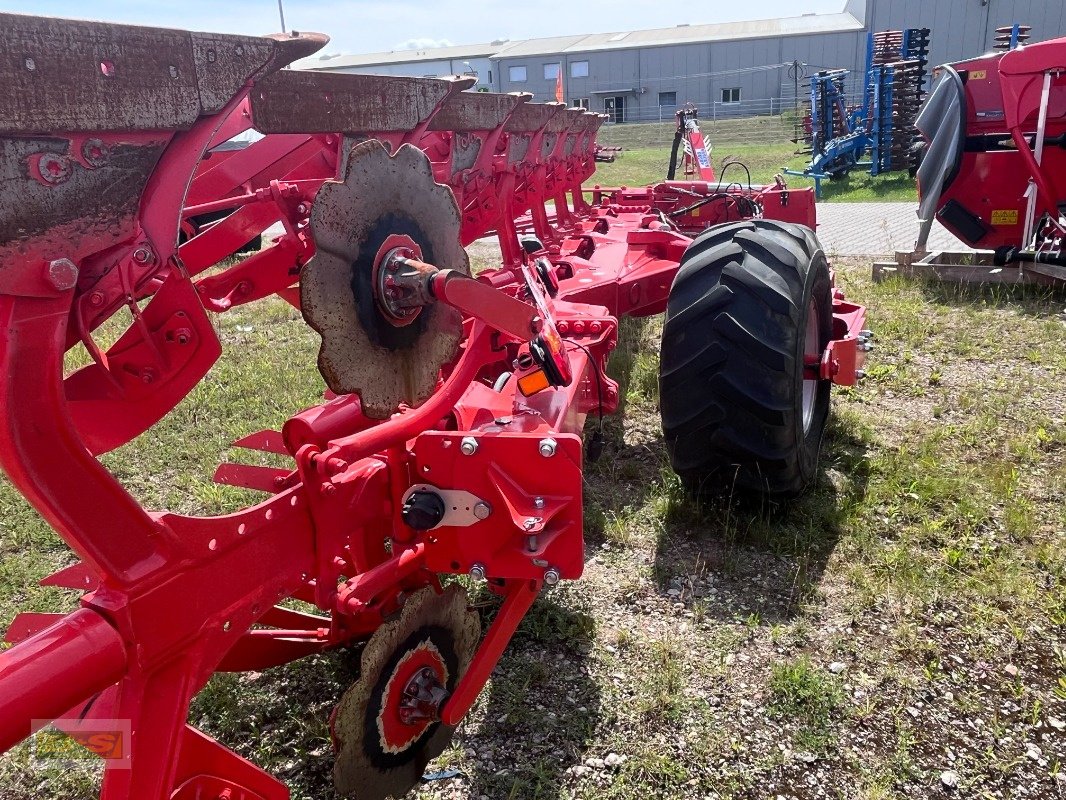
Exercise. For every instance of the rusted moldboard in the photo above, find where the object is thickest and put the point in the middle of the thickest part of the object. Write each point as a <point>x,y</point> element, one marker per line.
<point>531,117</point>
<point>317,102</point>
<point>476,111</point>
<point>68,75</point>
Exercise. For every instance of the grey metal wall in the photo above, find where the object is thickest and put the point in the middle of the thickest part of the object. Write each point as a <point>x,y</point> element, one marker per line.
<point>695,73</point>
<point>962,29</point>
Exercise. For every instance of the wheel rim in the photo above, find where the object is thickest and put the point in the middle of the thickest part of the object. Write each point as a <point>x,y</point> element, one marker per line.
<point>812,353</point>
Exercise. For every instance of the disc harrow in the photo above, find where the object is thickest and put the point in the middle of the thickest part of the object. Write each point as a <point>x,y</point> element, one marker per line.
<point>143,167</point>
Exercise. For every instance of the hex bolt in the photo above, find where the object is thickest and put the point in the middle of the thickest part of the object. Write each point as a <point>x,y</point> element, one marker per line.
<point>62,274</point>
<point>547,447</point>
<point>477,572</point>
<point>482,510</point>
<point>551,576</point>
<point>538,502</point>
<point>468,446</point>
<point>142,255</point>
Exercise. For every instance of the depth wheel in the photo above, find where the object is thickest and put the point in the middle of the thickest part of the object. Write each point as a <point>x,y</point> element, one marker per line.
<point>749,305</point>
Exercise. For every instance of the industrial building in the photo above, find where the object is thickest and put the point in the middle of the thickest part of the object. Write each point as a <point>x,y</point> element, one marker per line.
<point>733,68</point>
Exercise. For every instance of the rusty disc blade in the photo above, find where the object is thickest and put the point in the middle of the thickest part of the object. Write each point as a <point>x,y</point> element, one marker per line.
<point>363,352</point>
<point>372,763</point>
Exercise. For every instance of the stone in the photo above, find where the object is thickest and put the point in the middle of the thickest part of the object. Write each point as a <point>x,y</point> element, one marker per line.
<point>613,760</point>
<point>949,778</point>
<point>837,667</point>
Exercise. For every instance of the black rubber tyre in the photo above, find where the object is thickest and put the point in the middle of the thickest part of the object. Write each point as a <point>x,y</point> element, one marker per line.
<point>731,372</point>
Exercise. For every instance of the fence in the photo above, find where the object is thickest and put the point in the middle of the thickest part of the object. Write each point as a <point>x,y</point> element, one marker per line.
<point>766,121</point>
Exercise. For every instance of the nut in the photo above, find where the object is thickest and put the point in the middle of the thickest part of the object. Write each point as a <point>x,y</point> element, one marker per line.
<point>548,447</point>
<point>94,152</point>
<point>62,274</point>
<point>551,576</point>
<point>51,168</point>
<point>538,502</point>
<point>468,445</point>
<point>477,572</point>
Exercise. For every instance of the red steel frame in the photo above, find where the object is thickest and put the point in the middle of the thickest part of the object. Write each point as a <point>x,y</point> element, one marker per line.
<point>158,619</point>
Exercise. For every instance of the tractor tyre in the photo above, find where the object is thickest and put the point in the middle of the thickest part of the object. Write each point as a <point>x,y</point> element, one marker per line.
<point>750,303</point>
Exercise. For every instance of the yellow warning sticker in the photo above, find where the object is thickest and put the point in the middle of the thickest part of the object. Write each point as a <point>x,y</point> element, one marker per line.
<point>1005,216</point>
<point>978,74</point>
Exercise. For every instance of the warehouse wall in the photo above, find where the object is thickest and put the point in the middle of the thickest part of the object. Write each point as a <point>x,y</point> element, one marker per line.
<point>647,78</point>
<point>965,28</point>
<point>696,73</point>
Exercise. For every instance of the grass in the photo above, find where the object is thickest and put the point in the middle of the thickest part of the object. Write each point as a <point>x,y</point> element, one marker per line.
<point>696,647</point>
<point>761,143</point>
<point>807,696</point>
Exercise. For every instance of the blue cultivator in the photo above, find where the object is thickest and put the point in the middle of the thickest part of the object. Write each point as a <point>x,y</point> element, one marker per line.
<point>881,129</point>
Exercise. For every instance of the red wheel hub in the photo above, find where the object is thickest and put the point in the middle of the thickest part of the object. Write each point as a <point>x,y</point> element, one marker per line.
<point>413,697</point>
<point>386,292</point>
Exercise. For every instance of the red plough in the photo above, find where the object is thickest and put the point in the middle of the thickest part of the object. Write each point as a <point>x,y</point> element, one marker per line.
<point>451,440</point>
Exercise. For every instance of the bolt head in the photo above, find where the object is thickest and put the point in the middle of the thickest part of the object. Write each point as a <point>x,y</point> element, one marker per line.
<point>551,576</point>
<point>477,572</point>
<point>548,447</point>
<point>482,510</point>
<point>538,502</point>
<point>62,274</point>
<point>468,446</point>
<point>142,255</point>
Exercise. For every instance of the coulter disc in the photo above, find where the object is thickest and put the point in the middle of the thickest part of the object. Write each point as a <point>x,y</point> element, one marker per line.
<point>385,728</point>
<point>384,202</point>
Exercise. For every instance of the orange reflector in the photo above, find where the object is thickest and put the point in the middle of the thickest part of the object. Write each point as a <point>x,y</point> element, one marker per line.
<point>533,382</point>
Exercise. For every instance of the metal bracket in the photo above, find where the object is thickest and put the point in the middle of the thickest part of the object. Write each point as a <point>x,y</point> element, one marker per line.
<point>460,508</point>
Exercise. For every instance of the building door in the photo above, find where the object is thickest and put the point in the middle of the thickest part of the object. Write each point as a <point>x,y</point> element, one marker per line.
<point>615,108</point>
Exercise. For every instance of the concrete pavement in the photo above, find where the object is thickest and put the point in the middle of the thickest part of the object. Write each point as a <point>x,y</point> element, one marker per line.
<point>871,229</point>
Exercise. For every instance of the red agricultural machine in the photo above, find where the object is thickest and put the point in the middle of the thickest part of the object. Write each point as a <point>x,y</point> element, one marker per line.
<point>993,169</point>
<point>450,440</point>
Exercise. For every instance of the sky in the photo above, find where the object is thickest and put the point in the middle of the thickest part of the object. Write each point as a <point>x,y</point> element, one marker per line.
<point>365,26</point>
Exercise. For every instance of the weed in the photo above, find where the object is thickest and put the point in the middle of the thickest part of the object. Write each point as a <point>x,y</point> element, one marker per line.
<point>809,696</point>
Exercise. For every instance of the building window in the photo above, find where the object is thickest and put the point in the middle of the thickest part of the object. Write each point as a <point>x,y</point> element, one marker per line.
<point>579,69</point>
<point>490,76</point>
<point>580,102</point>
<point>551,72</point>
<point>731,95</point>
<point>516,74</point>
<point>668,98</point>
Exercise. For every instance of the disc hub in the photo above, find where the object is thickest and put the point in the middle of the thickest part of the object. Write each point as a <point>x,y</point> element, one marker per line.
<point>390,292</point>
<point>413,697</point>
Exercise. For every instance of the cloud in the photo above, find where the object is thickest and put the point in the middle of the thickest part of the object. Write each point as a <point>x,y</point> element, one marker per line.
<point>422,43</point>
